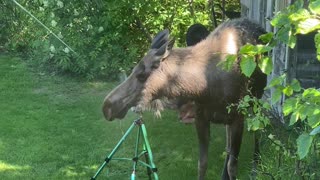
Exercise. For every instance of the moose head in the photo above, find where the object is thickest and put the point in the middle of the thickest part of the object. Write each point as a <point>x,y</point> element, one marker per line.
<point>136,90</point>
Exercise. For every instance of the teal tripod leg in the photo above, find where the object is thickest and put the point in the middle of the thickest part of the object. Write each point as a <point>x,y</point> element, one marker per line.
<point>109,157</point>
<point>149,152</point>
<point>145,153</point>
<point>136,155</point>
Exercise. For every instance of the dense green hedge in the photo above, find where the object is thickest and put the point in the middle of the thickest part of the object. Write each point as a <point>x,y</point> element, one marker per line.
<point>107,36</point>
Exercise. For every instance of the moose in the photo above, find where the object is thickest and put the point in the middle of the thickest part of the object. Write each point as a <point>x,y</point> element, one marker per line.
<point>191,74</point>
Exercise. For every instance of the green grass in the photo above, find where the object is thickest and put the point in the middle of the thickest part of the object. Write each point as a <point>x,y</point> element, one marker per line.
<point>51,127</point>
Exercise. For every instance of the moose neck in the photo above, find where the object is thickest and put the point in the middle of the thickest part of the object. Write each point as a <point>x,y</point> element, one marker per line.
<point>185,71</point>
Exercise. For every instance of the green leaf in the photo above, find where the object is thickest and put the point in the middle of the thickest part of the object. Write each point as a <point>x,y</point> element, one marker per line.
<point>292,41</point>
<point>315,131</point>
<point>314,120</point>
<point>283,33</point>
<point>315,7</point>
<point>253,124</point>
<point>275,81</point>
<point>289,106</point>
<point>248,49</point>
<point>298,4</point>
<point>301,14</point>
<point>266,38</point>
<point>280,20</point>
<point>246,98</point>
<point>228,63</point>
<point>266,105</point>
<point>308,25</point>
<point>304,142</point>
<point>265,65</point>
<point>276,96</point>
<point>311,92</point>
<point>263,48</point>
<point>265,120</point>
<point>295,84</point>
<point>302,112</point>
<point>247,65</point>
<point>294,118</point>
<point>288,91</point>
<point>317,43</point>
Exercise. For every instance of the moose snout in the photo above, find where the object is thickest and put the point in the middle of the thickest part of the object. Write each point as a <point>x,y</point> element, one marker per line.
<point>114,109</point>
<point>107,110</point>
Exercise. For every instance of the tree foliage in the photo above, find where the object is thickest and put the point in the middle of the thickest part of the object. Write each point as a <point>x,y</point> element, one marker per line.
<point>107,36</point>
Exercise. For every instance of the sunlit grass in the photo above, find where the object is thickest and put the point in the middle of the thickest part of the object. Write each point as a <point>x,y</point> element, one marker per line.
<point>9,167</point>
<point>51,127</point>
<point>71,171</point>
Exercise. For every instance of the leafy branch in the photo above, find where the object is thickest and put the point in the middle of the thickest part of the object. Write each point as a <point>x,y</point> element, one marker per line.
<point>300,104</point>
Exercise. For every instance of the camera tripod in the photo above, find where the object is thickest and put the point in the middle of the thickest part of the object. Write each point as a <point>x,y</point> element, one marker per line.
<point>146,152</point>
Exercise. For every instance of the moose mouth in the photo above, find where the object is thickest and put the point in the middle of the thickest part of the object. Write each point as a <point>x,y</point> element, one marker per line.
<point>110,114</point>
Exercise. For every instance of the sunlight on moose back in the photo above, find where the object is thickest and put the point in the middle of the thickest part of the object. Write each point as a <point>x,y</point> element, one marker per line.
<point>191,74</point>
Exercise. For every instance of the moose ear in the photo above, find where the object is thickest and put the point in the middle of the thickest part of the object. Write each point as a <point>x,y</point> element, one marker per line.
<point>162,50</point>
<point>160,39</point>
<point>171,43</point>
<point>165,49</point>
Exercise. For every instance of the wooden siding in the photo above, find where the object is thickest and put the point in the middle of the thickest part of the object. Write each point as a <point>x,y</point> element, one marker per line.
<point>306,67</point>
<point>262,11</point>
<point>300,62</point>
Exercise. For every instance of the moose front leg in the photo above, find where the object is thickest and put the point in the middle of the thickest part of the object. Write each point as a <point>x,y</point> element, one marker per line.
<point>203,131</point>
<point>234,138</point>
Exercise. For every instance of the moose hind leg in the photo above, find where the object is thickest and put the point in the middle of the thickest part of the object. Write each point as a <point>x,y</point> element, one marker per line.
<point>234,138</point>
<point>203,131</point>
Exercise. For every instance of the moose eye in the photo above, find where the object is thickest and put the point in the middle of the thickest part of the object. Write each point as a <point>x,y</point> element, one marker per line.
<point>142,77</point>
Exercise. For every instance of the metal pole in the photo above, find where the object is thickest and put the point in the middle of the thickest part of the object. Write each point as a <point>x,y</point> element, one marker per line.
<point>136,158</point>
<point>147,145</point>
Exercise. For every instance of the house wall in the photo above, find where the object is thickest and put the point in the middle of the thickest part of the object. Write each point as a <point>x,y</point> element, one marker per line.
<point>305,67</point>
<point>300,62</point>
<point>262,11</point>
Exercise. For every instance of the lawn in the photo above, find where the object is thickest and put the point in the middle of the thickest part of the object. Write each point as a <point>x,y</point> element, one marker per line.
<point>51,127</point>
